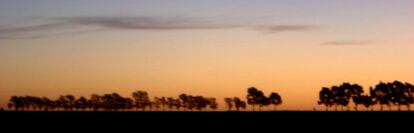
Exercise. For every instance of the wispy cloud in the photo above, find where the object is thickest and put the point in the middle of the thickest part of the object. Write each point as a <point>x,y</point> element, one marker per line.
<point>283,28</point>
<point>348,42</point>
<point>59,26</point>
<point>147,23</point>
<point>41,30</point>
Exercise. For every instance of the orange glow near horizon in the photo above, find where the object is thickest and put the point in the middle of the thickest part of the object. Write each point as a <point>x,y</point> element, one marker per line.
<point>205,52</point>
<point>297,72</point>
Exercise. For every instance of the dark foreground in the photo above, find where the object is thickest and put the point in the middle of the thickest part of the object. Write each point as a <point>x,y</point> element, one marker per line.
<point>216,115</point>
<point>212,121</point>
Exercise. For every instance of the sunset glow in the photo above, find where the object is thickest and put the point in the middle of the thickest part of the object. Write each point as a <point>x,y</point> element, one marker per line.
<point>214,48</point>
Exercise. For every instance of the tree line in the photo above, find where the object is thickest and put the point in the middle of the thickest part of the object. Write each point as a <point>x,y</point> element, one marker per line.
<point>383,94</point>
<point>255,97</point>
<point>112,102</point>
<point>139,101</point>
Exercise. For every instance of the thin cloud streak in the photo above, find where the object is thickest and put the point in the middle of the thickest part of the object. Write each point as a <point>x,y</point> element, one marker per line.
<point>349,42</point>
<point>284,28</point>
<point>59,26</point>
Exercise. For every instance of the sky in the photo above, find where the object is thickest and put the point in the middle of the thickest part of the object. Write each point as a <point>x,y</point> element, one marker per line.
<point>214,48</point>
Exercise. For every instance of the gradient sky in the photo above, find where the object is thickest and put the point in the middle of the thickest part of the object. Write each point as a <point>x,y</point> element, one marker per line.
<point>214,48</point>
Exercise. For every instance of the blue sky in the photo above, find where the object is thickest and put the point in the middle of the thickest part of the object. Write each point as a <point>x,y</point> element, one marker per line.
<point>292,8</point>
<point>339,15</point>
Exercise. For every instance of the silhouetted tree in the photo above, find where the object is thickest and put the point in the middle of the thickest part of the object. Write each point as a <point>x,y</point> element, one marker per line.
<point>66,102</point>
<point>275,99</point>
<point>374,97</point>
<point>200,102</point>
<point>195,102</point>
<point>16,102</point>
<point>382,94</point>
<point>141,99</point>
<point>367,101</point>
<point>128,103</point>
<point>340,96</point>
<point>71,101</point>
<point>235,102</point>
<point>239,103</point>
<point>82,103</point>
<point>389,94</point>
<point>212,103</point>
<point>406,95</point>
<point>163,102</point>
<point>113,101</point>
<point>256,97</point>
<point>49,104</point>
<point>409,93</point>
<point>351,90</point>
<point>191,103</point>
<point>400,94</point>
<point>177,104</point>
<point>157,103</point>
<point>229,103</point>
<point>96,102</point>
<point>184,100</point>
<point>170,103</point>
<point>364,100</point>
<point>326,97</point>
<point>262,100</point>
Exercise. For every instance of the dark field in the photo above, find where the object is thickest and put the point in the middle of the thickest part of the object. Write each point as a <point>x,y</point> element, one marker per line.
<point>213,114</point>
<point>291,120</point>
